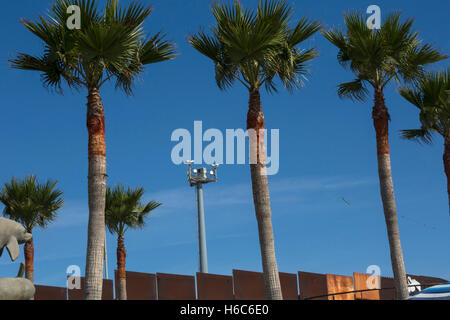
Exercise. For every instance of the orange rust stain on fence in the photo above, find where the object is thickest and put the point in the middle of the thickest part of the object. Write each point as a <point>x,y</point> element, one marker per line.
<point>361,283</point>
<point>336,284</point>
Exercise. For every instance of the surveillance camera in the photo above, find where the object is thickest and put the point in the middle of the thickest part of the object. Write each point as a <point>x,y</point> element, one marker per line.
<point>189,162</point>
<point>215,165</point>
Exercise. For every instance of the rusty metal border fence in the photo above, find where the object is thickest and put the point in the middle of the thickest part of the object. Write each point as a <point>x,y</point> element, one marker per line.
<point>241,285</point>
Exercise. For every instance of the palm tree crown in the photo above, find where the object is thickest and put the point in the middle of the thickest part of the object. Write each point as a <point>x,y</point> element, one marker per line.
<point>256,47</point>
<point>377,56</point>
<point>108,45</point>
<point>31,203</point>
<point>124,209</point>
<point>431,96</point>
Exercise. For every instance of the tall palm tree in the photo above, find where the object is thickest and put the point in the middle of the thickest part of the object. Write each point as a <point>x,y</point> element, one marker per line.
<point>431,95</point>
<point>109,45</point>
<point>33,205</point>
<point>255,48</point>
<point>124,210</point>
<point>376,57</point>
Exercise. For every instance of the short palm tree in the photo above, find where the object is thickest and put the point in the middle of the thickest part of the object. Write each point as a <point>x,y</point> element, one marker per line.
<point>33,205</point>
<point>124,210</point>
<point>376,57</point>
<point>431,95</point>
<point>109,45</point>
<point>256,48</point>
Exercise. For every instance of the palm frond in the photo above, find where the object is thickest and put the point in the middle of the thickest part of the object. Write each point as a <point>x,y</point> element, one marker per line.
<point>124,209</point>
<point>418,135</point>
<point>430,95</point>
<point>378,56</point>
<point>111,44</point>
<point>156,49</point>
<point>304,29</point>
<point>257,47</point>
<point>415,58</point>
<point>133,16</point>
<point>412,96</point>
<point>225,75</point>
<point>355,90</point>
<point>88,12</point>
<point>31,203</point>
<point>206,45</point>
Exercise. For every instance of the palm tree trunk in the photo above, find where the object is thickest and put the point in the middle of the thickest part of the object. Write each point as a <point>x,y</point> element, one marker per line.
<point>446,159</point>
<point>29,260</point>
<point>97,192</point>
<point>381,119</point>
<point>261,197</point>
<point>121,258</point>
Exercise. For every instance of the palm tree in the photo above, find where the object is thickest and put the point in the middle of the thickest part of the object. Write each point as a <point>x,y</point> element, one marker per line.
<point>431,95</point>
<point>376,57</point>
<point>109,45</point>
<point>255,48</point>
<point>33,205</point>
<point>124,210</point>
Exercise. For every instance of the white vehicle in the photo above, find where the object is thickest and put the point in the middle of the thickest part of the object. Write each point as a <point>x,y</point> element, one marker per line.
<point>439,292</point>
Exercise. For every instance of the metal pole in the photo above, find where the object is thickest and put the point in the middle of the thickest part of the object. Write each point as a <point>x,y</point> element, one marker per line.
<point>201,230</point>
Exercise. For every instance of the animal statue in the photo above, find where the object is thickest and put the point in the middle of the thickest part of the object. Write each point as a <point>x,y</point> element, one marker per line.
<point>11,235</point>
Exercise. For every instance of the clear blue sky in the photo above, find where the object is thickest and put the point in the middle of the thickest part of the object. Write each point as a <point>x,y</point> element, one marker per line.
<point>327,151</point>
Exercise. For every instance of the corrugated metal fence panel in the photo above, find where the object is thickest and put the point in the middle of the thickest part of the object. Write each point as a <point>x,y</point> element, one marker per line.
<point>175,287</point>
<point>312,285</point>
<point>107,290</point>
<point>289,286</point>
<point>337,283</point>
<point>248,285</point>
<point>387,294</point>
<point>50,293</point>
<point>214,287</point>
<point>361,283</point>
<point>140,286</point>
